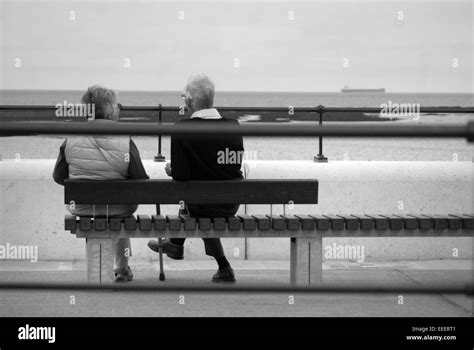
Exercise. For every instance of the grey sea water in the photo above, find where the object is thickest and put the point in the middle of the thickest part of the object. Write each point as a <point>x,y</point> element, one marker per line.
<point>231,98</point>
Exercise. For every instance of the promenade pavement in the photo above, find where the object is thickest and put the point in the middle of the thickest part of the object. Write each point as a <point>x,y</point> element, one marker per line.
<point>183,274</point>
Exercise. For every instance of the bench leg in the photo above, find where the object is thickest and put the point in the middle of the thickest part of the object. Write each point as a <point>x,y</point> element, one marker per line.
<point>306,261</point>
<point>100,260</point>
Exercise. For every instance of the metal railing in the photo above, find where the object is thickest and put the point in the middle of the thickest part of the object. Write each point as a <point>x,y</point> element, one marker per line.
<point>438,288</point>
<point>252,129</point>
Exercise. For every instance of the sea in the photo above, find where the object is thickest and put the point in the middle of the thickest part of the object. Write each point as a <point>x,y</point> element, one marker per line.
<point>271,148</point>
<point>241,98</point>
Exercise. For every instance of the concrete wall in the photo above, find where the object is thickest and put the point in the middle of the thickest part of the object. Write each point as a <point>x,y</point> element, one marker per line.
<point>32,210</point>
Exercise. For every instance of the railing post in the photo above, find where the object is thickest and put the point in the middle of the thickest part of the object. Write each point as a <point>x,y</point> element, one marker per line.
<point>159,157</point>
<point>320,157</point>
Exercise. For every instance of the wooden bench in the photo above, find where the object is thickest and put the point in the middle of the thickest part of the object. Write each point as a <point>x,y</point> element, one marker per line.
<point>100,233</point>
<point>305,231</point>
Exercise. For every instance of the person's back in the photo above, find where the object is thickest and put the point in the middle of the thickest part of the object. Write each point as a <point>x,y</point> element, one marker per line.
<point>99,158</point>
<point>215,157</point>
<point>205,159</point>
<point>102,158</point>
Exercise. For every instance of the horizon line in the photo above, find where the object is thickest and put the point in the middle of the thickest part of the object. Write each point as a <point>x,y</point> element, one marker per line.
<point>261,91</point>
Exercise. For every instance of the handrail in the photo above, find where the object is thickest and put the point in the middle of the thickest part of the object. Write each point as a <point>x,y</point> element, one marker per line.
<point>254,129</point>
<point>466,289</point>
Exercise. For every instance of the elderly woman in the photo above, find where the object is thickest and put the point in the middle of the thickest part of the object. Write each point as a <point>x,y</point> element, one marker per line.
<point>102,158</point>
<point>197,159</point>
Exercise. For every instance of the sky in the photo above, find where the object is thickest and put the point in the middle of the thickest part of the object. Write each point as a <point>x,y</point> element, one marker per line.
<point>403,46</point>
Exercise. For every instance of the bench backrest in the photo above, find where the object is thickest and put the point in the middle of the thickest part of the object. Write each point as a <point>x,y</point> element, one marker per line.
<point>191,192</point>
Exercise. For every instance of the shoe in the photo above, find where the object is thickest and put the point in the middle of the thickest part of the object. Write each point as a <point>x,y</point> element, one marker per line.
<point>224,275</point>
<point>123,275</point>
<point>173,251</point>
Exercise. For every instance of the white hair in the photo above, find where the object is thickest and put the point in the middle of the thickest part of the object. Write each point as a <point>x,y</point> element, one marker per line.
<point>104,100</point>
<point>199,92</point>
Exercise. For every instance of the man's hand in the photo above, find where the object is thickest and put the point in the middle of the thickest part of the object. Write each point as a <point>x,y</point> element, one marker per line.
<point>168,169</point>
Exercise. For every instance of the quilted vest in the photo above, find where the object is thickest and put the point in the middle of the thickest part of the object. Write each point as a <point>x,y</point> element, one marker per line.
<point>99,158</point>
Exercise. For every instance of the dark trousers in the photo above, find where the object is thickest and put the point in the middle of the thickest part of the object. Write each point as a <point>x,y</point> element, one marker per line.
<point>212,246</point>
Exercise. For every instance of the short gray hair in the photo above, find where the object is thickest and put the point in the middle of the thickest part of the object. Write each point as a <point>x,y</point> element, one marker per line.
<point>104,100</point>
<point>199,92</point>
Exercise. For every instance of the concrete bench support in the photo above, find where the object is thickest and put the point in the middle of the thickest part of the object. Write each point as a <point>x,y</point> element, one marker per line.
<point>100,260</point>
<point>306,261</point>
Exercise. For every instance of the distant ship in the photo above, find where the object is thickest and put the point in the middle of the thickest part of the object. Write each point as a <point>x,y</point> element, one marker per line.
<point>347,89</point>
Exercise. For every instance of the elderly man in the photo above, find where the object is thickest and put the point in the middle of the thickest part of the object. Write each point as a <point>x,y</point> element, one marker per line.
<point>197,159</point>
<point>102,158</point>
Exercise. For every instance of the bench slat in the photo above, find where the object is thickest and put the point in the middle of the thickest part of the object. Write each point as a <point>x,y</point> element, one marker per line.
<point>130,223</point>
<point>394,222</point>
<point>365,222</point>
<point>100,224</point>
<point>205,224</point>
<point>115,224</point>
<point>85,223</point>
<point>189,222</point>
<point>263,222</point>
<point>351,222</point>
<point>254,191</point>
<point>325,222</point>
<point>424,223</point>
<point>248,221</point>
<point>144,222</point>
<point>70,223</point>
<point>467,220</point>
<point>219,224</point>
<point>292,222</point>
<point>159,222</point>
<point>438,222</point>
<point>380,222</point>
<point>278,223</point>
<point>409,222</point>
<point>308,223</point>
<point>234,223</point>
<point>453,223</point>
<point>174,222</point>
